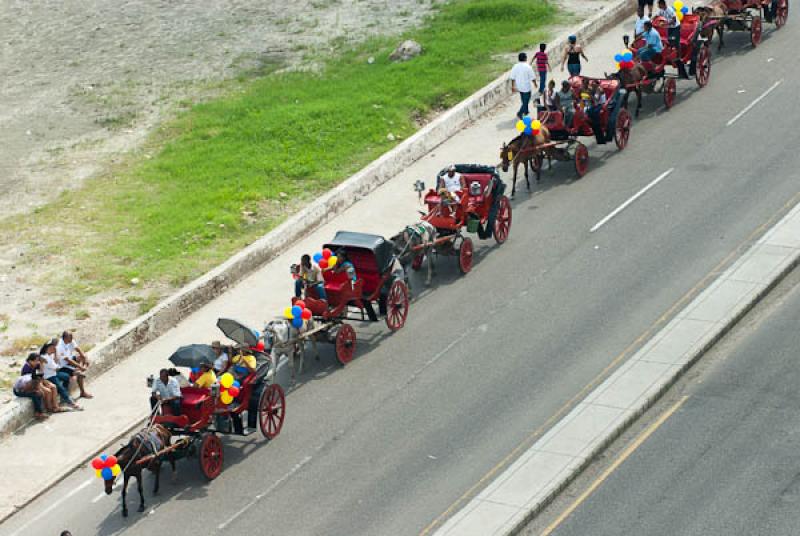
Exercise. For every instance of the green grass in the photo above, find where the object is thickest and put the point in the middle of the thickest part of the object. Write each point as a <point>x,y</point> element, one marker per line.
<point>274,144</point>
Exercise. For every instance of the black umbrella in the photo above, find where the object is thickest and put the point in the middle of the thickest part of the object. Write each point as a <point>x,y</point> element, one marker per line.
<point>193,355</point>
<point>236,331</point>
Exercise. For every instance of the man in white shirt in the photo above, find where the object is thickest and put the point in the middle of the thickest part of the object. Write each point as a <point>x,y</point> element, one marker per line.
<point>638,29</point>
<point>167,390</point>
<point>221,362</point>
<point>72,360</point>
<point>522,80</point>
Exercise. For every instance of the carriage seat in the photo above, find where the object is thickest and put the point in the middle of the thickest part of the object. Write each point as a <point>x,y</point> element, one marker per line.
<point>485,182</point>
<point>193,399</point>
<point>367,271</point>
<point>339,289</point>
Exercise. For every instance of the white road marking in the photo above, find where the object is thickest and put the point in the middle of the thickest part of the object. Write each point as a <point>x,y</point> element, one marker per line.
<point>266,492</point>
<point>756,101</point>
<point>53,506</point>
<point>633,198</point>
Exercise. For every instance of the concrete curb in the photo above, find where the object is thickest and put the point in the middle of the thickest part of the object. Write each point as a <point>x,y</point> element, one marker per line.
<point>199,292</point>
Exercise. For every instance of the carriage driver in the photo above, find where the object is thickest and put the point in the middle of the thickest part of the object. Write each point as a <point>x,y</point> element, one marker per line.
<point>452,182</point>
<point>166,390</point>
<point>652,41</point>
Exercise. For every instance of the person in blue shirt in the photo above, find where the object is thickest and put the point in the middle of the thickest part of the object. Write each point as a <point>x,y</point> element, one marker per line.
<point>653,43</point>
<point>344,265</point>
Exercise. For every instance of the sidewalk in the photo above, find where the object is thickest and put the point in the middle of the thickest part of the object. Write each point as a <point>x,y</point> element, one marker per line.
<point>40,455</point>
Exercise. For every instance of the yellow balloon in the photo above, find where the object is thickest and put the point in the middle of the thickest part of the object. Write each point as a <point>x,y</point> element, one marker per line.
<point>332,260</point>
<point>520,126</point>
<point>226,398</point>
<point>618,66</point>
<point>536,124</point>
<point>288,313</point>
<point>98,473</point>
<point>226,380</point>
<point>116,470</point>
<point>678,5</point>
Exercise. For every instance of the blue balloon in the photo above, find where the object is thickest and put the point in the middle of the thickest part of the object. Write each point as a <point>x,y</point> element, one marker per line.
<point>236,384</point>
<point>628,56</point>
<point>297,322</point>
<point>527,120</point>
<point>195,369</point>
<point>317,257</point>
<point>528,131</point>
<point>103,457</point>
<point>618,58</point>
<point>106,473</point>
<point>685,10</point>
<point>296,311</point>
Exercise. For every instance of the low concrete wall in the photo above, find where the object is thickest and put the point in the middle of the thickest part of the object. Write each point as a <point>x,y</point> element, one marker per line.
<point>177,307</point>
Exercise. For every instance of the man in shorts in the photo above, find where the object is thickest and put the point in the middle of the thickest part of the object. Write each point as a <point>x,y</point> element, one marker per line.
<point>72,360</point>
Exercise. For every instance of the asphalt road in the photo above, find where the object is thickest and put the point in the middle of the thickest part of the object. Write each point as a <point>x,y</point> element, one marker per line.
<point>387,445</point>
<point>726,462</point>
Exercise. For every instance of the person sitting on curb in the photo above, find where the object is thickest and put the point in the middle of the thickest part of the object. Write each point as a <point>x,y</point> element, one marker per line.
<point>47,356</point>
<point>73,361</point>
<point>27,386</point>
<point>207,378</point>
<point>221,362</point>
<point>167,391</point>
<point>33,365</point>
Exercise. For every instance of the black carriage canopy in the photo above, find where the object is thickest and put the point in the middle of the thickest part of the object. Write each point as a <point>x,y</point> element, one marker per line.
<point>473,168</point>
<point>380,247</point>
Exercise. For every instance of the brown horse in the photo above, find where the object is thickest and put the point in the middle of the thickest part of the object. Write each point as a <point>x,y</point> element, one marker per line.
<point>522,150</point>
<point>143,445</point>
<point>711,18</point>
<point>631,80</point>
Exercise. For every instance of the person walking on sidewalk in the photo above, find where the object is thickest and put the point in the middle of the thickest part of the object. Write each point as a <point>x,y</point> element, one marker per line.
<point>542,66</point>
<point>572,56</point>
<point>522,80</point>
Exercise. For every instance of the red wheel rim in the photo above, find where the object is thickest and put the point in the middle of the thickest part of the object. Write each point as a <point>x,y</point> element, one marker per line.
<point>623,129</point>
<point>581,160</point>
<point>397,305</point>
<point>211,456</point>
<point>755,31</point>
<point>703,71</point>
<point>502,223</point>
<point>345,344</point>
<point>782,14</point>
<point>669,93</point>
<point>465,256</point>
<point>416,264</point>
<point>271,411</point>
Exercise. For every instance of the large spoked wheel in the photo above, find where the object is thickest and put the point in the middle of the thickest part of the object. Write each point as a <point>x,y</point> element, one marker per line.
<point>502,223</point>
<point>782,13</point>
<point>703,68</point>
<point>271,411</point>
<point>211,455</point>
<point>416,264</point>
<point>581,159</point>
<point>465,255</point>
<point>345,344</point>
<point>623,129</point>
<point>669,92</point>
<point>397,305</point>
<point>755,31</point>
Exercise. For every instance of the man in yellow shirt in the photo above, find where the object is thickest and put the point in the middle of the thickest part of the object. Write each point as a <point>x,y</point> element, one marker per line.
<point>243,365</point>
<point>207,377</point>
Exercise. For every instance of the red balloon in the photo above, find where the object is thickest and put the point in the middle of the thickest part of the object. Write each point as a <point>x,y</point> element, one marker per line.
<point>111,461</point>
<point>97,464</point>
<point>323,263</point>
<point>233,391</point>
<point>260,346</point>
<point>306,315</point>
<point>326,253</point>
<point>300,303</point>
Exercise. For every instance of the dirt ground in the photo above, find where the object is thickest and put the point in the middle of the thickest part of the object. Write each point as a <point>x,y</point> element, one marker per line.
<point>84,82</point>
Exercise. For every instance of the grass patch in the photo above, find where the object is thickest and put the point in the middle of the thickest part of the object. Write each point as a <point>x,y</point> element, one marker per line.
<point>82,314</point>
<point>148,303</point>
<point>115,323</point>
<point>22,346</point>
<point>227,171</point>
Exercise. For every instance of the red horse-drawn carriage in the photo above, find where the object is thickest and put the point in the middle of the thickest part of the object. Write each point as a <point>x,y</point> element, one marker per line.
<point>745,16</point>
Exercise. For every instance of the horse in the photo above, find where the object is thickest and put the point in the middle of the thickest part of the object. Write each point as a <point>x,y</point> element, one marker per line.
<point>145,443</point>
<point>522,150</point>
<point>405,246</point>
<point>716,11</point>
<point>631,80</point>
<point>282,342</point>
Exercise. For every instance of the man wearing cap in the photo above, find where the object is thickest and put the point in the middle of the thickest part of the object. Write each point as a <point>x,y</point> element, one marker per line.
<point>452,182</point>
<point>653,44</point>
<point>221,361</point>
<point>522,80</point>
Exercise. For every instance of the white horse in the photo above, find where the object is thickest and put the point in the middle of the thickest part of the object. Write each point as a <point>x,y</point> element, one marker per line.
<point>405,243</point>
<point>281,339</point>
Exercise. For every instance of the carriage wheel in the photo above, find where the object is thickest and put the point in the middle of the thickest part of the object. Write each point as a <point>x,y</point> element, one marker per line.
<point>703,69</point>
<point>755,31</point>
<point>581,159</point>
<point>782,13</point>
<point>416,264</point>
<point>397,305</point>
<point>211,455</point>
<point>502,223</point>
<point>623,129</point>
<point>669,92</point>
<point>465,256</point>
<point>345,344</point>
<point>271,411</point>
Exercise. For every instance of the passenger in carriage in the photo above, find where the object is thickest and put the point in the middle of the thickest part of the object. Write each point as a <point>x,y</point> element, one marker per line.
<point>598,101</point>
<point>221,361</point>
<point>207,378</point>
<point>653,44</point>
<point>673,33</point>
<point>244,364</point>
<point>566,103</point>
<point>344,265</point>
<point>309,276</point>
<point>452,182</point>
<point>167,391</point>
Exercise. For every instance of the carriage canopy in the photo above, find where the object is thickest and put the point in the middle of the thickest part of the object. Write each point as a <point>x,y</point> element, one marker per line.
<point>379,247</point>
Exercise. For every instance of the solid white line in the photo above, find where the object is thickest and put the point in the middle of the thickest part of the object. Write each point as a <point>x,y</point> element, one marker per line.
<point>50,508</point>
<point>635,196</point>
<point>747,108</point>
<point>264,493</point>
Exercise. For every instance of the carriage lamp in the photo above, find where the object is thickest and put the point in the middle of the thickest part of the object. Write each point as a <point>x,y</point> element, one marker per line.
<point>150,381</point>
<point>419,187</point>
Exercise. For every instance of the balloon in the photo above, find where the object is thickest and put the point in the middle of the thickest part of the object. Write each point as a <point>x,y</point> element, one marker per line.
<point>111,461</point>
<point>288,312</point>
<point>536,124</point>
<point>296,311</point>
<point>628,56</point>
<point>326,253</point>
<point>528,131</point>
<point>260,346</point>
<point>195,369</point>
<point>103,457</point>
<point>300,303</point>
<point>233,391</point>
<point>98,473</point>
<point>677,5</point>
<point>236,384</point>
<point>297,323</point>
<point>527,120</point>
<point>116,470</point>
<point>323,263</point>
<point>317,257</point>
<point>306,314</point>
<point>685,10</point>
<point>226,380</point>
<point>617,57</point>
<point>332,261</point>
<point>97,464</point>
<point>520,126</point>
<point>107,473</point>
<point>618,66</point>
<point>226,397</point>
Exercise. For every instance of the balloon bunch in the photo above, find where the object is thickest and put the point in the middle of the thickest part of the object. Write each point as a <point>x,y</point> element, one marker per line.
<point>680,10</point>
<point>106,467</point>
<point>297,313</point>
<point>326,259</point>
<point>230,388</point>
<point>529,126</point>
<point>624,59</point>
